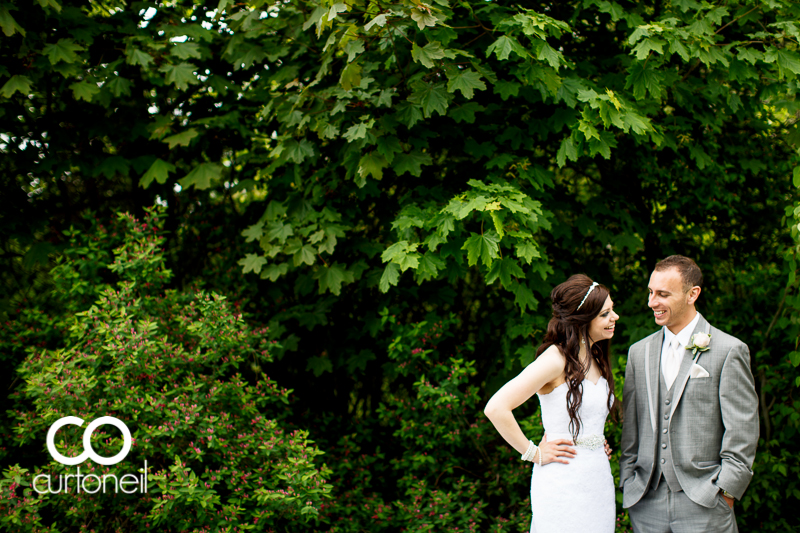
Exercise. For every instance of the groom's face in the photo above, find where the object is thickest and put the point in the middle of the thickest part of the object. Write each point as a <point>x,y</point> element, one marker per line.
<point>668,300</point>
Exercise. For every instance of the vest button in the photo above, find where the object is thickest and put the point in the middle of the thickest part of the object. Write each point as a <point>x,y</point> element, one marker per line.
<point>665,430</point>
<point>664,446</point>
<point>663,461</point>
<point>666,402</point>
<point>666,417</point>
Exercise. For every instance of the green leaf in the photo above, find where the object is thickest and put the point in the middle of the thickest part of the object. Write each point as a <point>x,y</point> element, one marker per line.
<point>319,365</point>
<point>566,150</point>
<point>16,83</point>
<point>429,266</point>
<point>380,20</point>
<point>523,297</point>
<point>390,276</point>
<point>351,76</point>
<point>638,123</point>
<point>358,131</point>
<point>336,9</point>
<point>307,254</point>
<point>527,251</point>
<point>373,164</point>
<point>428,53</point>
<point>279,230</point>
<point>466,112</point>
<point>9,25</point>
<point>180,75</point>
<point>422,17</point>
<point>506,89</point>
<point>431,97</point>
<point>273,271</point>
<point>252,263</point>
<point>388,146</point>
<point>353,48</point>
<point>330,278</point>
<point>482,247</point>
<point>787,60</point>
<point>119,86</point>
<point>411,163</point>
<point>64,50</point>
<point>465,81</point>
<point>137,57</point>
<point>796,177</point>
<point>315,18</point>
<point>186,50</point>
<point>547,53</point>
<point>643,49</point>
<point>201,176</point>
<point>158,171</point>
<point>504,269</point>
<point>504,45</point>
<point>461,209</point>
<point>84,90</point>
<point>180,139</point>
<point>644,78</point>
<point>297,151</point>
<point>396,250</point>
<point>254,232</point>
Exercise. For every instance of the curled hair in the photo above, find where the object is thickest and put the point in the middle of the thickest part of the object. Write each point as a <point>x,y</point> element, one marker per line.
<point>566,329</point>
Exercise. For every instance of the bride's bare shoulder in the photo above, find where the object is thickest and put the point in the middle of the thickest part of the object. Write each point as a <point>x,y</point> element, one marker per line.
<point>555,361</point>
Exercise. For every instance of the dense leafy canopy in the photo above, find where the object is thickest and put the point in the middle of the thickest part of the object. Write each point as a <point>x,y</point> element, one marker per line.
<point>333,164</point>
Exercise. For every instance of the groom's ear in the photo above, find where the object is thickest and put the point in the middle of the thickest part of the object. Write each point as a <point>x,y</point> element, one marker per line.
<point>694,292</point>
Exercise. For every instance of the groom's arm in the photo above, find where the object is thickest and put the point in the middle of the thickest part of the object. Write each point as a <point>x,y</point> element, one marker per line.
<point>630,426</point>
<point>739,407</point>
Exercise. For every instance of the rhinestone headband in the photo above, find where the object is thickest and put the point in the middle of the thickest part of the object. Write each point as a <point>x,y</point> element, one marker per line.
<point>594,284</point>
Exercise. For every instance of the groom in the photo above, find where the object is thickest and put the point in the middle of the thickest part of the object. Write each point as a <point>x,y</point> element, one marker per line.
<point>691,414</point>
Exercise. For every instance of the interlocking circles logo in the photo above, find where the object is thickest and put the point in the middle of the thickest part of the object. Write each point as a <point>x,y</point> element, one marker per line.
<point>91,483</point>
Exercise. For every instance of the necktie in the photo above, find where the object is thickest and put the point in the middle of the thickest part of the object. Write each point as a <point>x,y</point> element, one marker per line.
<point>673,364</point>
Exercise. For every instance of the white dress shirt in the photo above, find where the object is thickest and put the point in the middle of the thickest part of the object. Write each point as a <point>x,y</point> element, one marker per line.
<point>684,336</point>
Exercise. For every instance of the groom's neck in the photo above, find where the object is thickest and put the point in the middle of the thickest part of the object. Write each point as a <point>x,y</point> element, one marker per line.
<point>685,321</point>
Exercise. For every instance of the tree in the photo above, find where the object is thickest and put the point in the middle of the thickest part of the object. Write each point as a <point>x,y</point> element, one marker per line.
<point>429,158</point>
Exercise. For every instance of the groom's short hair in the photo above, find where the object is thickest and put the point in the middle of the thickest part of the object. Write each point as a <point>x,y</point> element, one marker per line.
<point>691,275</point>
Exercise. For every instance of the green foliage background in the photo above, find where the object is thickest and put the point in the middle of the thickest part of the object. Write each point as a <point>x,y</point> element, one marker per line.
<point>393,189</point>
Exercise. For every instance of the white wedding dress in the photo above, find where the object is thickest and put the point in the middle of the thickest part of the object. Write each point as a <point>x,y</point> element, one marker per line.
<point>577,497</point>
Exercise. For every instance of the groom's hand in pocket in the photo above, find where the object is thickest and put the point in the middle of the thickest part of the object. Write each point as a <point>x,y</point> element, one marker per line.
<point>608,449</point>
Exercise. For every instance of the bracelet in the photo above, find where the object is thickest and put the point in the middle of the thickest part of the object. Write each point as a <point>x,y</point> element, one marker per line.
<point>530,453</point>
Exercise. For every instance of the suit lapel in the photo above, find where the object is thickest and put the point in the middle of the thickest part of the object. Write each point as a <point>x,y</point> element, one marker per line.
<point>686,365</point>
<point>652,364</point>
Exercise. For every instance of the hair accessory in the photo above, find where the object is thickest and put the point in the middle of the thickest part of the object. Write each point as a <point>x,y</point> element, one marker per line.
<point>594,284</point>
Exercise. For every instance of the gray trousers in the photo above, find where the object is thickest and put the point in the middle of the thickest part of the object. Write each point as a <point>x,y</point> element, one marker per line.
<point>664,511</point>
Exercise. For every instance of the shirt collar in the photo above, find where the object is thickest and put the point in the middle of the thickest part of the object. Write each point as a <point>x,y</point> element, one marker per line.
<point>683,335</point>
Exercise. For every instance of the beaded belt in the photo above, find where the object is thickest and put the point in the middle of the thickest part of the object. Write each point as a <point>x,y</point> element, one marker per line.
<point>590,441</point>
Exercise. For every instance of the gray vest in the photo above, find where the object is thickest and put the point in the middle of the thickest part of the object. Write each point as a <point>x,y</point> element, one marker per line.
<point>663,460</point>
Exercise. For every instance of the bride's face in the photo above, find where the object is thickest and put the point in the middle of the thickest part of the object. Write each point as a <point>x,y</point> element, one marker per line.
<point>602,327</point>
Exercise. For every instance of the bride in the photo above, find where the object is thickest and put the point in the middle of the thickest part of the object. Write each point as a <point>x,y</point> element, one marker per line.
<point>572,489</point>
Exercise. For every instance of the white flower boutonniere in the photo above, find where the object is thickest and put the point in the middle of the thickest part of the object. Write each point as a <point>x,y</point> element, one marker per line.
<point>699,343</point>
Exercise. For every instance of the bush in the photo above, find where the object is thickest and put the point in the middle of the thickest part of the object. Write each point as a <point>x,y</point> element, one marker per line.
<point>183,370</point>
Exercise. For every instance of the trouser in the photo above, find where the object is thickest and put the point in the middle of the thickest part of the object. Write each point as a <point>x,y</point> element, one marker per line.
<point>664,511</point>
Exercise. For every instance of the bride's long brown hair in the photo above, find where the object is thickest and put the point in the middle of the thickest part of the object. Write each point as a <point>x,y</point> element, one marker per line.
<point>566,329</point>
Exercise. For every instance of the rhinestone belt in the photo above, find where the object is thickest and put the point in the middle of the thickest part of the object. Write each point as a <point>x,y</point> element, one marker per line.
<point>590,441</point>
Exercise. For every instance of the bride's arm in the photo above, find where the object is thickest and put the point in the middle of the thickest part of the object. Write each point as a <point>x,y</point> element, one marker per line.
<point>546,368</point>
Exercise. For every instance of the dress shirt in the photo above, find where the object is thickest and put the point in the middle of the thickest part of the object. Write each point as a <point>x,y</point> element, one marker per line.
<point>684,336</point>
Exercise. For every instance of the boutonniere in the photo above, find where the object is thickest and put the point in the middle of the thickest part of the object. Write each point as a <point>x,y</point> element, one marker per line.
<point>699,343</point>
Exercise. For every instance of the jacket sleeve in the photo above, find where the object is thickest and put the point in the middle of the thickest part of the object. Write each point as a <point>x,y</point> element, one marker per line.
<point>739,408</point>
<point>630,426</point>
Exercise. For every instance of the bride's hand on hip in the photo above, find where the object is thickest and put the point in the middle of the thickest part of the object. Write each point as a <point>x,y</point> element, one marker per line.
<point>554,451</point>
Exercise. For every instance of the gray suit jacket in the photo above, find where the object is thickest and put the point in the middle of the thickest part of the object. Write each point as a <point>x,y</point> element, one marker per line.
<point>713,427</point>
